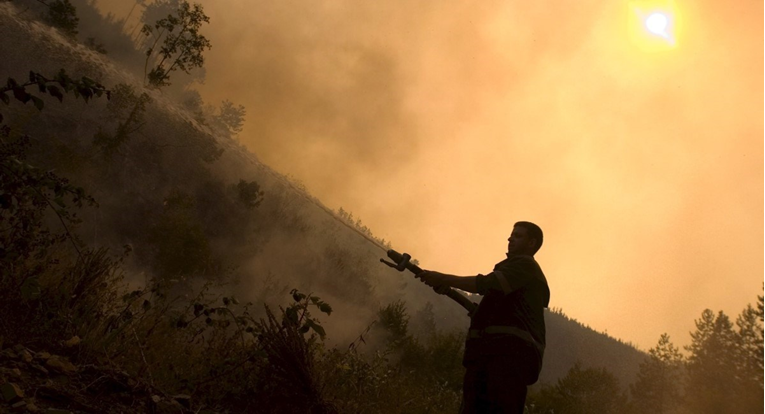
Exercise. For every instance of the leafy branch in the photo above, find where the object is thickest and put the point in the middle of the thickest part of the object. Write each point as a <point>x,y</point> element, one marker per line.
<point>182,49</point>
<point>26,192</point>
<point>56,87</point>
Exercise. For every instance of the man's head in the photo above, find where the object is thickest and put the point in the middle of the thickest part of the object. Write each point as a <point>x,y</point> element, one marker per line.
<point>526,239</point>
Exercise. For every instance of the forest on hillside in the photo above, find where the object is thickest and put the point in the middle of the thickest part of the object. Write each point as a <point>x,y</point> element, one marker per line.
<point>144,269</point>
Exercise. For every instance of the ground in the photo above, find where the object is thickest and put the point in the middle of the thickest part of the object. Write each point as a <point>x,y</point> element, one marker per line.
<point>38,381</point>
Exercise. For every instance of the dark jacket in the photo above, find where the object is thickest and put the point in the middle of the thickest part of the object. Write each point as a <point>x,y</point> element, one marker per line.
<point>509,320</point>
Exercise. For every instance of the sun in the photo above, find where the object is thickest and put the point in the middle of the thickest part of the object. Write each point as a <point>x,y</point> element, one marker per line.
<point>658,23</point>
<point>653,24</point>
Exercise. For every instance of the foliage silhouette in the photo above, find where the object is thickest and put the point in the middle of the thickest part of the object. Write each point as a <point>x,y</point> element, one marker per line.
<point>658,386</point>
<point>179,41</point>
<point>62,15</point>
<point>128,108</point>
<point>581,391</point>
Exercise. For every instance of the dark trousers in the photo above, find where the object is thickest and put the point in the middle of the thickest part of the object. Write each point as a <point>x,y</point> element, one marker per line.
<point>492,385</point>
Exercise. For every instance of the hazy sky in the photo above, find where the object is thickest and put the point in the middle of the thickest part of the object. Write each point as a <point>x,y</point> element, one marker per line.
<point>440,124</point>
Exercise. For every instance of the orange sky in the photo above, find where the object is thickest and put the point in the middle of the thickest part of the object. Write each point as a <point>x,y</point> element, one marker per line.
<point>440,124</point>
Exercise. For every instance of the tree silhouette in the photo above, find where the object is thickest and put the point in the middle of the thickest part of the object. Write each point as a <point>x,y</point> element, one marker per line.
<point>62,15</point>
<point>179,41</point>
<point>712,382</point>
<point>581,391</point>
<point>232,117</point>
<point>657,389</point>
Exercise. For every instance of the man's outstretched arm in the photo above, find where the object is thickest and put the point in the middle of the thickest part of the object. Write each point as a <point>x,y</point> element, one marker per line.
<point>437,279</point>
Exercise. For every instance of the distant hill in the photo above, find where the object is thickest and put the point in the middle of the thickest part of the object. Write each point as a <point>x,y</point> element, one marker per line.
<point>291,240</point>
<point>569,341</point>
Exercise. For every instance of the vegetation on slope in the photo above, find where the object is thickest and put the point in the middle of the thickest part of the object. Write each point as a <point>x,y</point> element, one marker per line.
<point>131,236</point>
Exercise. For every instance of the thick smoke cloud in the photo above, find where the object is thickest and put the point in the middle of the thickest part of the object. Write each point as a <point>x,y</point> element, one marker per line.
<point>442,123</point>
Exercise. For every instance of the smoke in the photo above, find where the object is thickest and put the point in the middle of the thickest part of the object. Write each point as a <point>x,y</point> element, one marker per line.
<point>441,124</point>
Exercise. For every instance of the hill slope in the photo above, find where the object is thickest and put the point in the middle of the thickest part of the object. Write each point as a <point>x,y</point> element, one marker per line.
<point>173,183</point>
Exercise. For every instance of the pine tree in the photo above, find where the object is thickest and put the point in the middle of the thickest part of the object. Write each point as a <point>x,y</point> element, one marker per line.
<point>657,389</point>
<point>750,358</point>
<point>712,385</point>
<point>581,391</point>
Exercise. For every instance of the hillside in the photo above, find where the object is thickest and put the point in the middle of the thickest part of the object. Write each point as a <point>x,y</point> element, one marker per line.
<point>173,182</point>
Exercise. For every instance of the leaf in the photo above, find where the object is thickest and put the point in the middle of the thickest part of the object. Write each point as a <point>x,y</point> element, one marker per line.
<point>85,92</point>
<point>5,98</point>
<point>324,307</point>
<point>39,104</point>
<point>55,92</point>
<point>316,327</point>
<point>297,296</point>
<point>226,301</point>
<point>146,305</point>
<point>62,77</point>
<point>21,94</point>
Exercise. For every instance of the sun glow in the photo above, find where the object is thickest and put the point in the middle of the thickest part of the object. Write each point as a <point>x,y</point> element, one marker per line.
<point>653,25</point>
<point>657,24</point>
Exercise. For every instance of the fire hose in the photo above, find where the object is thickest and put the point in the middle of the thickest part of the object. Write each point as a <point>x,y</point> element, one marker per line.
<point>403,261</point>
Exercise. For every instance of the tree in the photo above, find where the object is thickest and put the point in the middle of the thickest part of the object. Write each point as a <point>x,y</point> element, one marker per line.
<point>394,319</point>
<point>750,357</point>
<point>424,321</point>
<point>158,9</point>
<point>130,13</point>
<point>63,15</point>
<point>761,311</point>
<point>192,102</point>
<point>179,41</point>
<point>657,389</point>
<point>127,108</point>
<point>712,385</point>
<point>581,391</point>
<point>249,194</point>
<point>232,117</point>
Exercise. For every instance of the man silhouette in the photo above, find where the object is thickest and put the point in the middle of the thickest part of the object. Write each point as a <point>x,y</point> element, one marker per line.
<point>506,341</point>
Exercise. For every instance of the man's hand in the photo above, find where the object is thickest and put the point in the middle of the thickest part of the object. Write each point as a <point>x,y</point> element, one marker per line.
<point>431,278</point>
<point>441,282</point>
<point>438,281</point>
